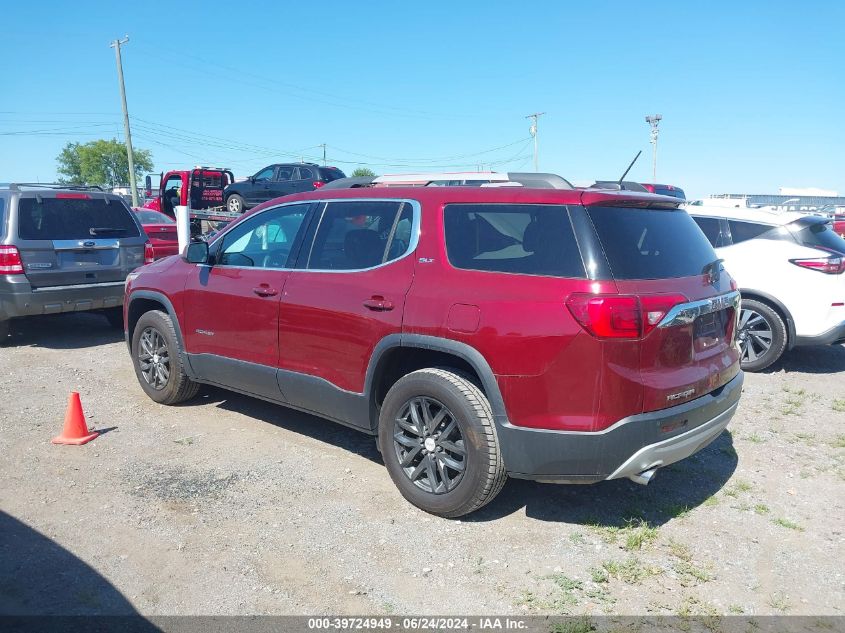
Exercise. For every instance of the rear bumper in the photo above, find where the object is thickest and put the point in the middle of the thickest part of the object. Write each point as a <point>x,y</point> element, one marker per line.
<point>629,447</point>
<point>18,298</point>
<point>836,334</point>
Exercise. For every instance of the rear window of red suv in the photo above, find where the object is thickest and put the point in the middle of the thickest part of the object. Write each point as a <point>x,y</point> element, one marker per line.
<point>651,243</point>
<point>529,239</point>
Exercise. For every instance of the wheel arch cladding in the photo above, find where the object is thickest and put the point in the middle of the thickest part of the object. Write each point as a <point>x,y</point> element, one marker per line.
<point>142,301</point>
<point>399,354</point>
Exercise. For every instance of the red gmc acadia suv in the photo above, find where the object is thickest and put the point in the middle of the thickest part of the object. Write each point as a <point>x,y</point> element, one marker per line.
<point>554,335</point>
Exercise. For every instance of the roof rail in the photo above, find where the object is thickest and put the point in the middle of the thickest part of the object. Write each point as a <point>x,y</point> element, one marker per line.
<point>14,186</point>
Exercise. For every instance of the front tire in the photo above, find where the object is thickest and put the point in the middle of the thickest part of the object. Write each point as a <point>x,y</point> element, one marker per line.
<point>439,443</point>
<point>762,335</point>
<point>235,204</point>
<point>157,358</point>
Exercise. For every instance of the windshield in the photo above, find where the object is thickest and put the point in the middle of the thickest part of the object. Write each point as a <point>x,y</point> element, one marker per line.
<point>74,219</point>
<point>651,243</point>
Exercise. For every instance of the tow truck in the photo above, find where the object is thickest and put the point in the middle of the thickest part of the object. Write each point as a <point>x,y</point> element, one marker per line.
<point>200,189</point>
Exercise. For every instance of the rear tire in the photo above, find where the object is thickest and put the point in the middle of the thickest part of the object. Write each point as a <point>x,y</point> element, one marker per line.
<point>235,204</point>
<point>762,335</point>
<point>445,456</point>
<point>157,358</point>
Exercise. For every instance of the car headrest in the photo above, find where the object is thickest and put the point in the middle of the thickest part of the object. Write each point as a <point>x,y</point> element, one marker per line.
<point>363,248</point>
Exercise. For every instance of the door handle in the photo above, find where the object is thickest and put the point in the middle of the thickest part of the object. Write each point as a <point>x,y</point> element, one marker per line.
<point>378,303</point>
<point>264,290</point>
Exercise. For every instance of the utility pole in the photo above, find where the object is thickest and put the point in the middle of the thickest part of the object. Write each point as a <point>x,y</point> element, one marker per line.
<point>116,44</point>
<point>533,131</point>
<point>324,154</point>
<point>654,121</point>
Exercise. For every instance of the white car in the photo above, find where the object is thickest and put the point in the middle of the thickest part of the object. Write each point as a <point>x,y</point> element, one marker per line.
<point>789,268</point>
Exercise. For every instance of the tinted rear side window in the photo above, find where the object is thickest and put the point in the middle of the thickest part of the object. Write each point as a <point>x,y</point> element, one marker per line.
<point>820,235</point>
<point>74,219</point>
<point>530,239</point>
<point>651,243</point>
<point>330,174</point>
<point>712,229</point>
<point>743,231</point>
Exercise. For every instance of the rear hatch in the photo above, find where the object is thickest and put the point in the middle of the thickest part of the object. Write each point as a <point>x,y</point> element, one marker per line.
<point>71,238</point>
<point>674,299</point>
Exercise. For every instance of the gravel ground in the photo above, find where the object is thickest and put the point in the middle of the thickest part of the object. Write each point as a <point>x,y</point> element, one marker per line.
<point>229,505</point>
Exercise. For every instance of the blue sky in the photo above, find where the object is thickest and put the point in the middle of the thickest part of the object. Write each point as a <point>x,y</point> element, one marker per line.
<point>752,94</point>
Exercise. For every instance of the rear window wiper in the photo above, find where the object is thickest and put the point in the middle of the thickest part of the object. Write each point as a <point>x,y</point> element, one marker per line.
<point>106,230</point>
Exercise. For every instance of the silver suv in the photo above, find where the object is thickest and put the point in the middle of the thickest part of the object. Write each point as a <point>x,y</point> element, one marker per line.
<point>65,249</point>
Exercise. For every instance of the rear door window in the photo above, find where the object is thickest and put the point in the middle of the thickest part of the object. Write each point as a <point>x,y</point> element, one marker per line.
<point>712,229</point>
<point>329,174</point>
<point>820,235</point>
<point>651,243</point>
<point>529,239</point>
<point>360,235</point>
<point>744,231</point>
<point>74,219</point>
<point>305,173</point>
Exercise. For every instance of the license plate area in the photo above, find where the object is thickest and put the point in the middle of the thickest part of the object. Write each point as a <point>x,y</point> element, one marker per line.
<point>709,330</point>
<point>70,260</point>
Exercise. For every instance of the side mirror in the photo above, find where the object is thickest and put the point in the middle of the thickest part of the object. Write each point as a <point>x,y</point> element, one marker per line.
<point>196,253</point>
<point>148,187</point>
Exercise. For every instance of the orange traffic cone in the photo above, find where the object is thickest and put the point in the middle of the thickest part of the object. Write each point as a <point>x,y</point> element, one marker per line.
<point>75,431</point>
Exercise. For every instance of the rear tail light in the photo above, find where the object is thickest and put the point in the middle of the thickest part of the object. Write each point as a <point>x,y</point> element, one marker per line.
<point>621,316</point>
<point>149,253</point>
<point>318,184</point>
<point>833,265</point>
<point>10,261</point>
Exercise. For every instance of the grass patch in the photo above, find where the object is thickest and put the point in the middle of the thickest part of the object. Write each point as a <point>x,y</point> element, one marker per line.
<point>599,575</point>
<point>583,624</point>
<point>638,535</point>
<point>679,550</point>
<point>805,438</point>
<point>754,438</point>
<point>780,602</point>
<point>739,486</point>
<point>631,570</point>
<point>838,405</point>
<point>677,511</point>
<point>736,609</point>
<point>838,441</point>
<point>786,523</point>
<point>711,501</point>
<point>577,538</point>
<point>691,574</point>
<point>761,508</point>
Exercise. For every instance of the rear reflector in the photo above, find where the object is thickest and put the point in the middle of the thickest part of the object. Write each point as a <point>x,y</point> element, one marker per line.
<point>833,265</point>
<point>10,261</point>
<point>621,316</point>
<point>149,254</point>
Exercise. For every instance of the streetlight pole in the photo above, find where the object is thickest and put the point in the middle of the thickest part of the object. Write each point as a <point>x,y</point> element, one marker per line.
<point>116,44</point>
<point>654,121</point>
<point>533,131</point>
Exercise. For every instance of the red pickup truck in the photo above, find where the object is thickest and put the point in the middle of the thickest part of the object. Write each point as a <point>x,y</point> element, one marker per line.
<point>202,187</point>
